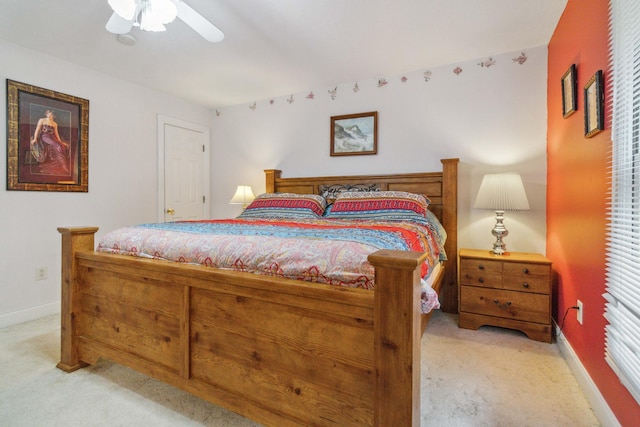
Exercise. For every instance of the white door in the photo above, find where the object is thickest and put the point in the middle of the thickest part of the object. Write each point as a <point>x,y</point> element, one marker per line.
<point>184,170</point>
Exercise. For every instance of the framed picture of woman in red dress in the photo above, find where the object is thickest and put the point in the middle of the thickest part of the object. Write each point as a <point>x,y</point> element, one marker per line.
<point>47,144</point>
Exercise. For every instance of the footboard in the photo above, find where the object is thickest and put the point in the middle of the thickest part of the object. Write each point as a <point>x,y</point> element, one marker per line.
<point>278,351</point>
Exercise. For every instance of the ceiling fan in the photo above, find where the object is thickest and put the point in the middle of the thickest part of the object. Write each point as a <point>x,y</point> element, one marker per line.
<point>152,15</point>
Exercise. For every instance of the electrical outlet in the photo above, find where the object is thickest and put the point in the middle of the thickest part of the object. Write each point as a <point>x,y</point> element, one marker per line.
<point>41,273</point>
<point>579,312</point>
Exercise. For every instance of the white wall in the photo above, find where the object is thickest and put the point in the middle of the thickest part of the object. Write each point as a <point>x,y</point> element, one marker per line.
<point>122,175</point>
<point>492,118</point>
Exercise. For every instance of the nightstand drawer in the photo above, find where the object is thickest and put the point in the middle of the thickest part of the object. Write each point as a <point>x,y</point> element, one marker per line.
<point>528,307</point>
<point>521,269</point>
<point>477,272</point>
<point>539,285</point>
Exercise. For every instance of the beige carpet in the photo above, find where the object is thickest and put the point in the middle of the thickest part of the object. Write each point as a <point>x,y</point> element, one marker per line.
<point>490,377</point>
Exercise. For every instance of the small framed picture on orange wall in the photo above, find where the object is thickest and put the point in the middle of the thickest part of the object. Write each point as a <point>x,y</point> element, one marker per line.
<point>594,105</point>
<point>569,89</point>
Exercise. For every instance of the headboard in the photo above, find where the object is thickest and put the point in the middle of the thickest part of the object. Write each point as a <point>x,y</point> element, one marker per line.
<point>440,187</point>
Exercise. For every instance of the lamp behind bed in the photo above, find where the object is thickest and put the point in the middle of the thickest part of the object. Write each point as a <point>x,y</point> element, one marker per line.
<point>243,196</point>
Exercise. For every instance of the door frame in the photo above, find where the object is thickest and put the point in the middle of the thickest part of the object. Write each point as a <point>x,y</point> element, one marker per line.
<point>206,167</point>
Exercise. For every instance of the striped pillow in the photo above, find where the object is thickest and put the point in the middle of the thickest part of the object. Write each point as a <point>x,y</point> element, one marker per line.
<point>285,206</point>
<point>381,205</point>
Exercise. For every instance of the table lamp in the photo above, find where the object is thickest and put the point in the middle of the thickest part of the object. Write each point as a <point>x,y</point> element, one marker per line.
<point>501,192</point>
<point>243,196</point>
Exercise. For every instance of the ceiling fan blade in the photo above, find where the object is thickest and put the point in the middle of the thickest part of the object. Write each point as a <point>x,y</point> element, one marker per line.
<point>118,25</point>
<point>196,21</point>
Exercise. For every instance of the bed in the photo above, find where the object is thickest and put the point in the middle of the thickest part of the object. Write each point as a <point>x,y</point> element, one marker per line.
<point>279,351</point>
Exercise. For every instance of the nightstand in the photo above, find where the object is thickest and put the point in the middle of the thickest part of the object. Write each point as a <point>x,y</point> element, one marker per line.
<point>510,291</point>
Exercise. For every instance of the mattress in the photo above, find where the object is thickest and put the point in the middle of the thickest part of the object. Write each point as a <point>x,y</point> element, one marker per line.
<point>324,251</point>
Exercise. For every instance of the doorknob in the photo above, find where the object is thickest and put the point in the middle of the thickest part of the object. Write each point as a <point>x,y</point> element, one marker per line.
<point>171,211</point>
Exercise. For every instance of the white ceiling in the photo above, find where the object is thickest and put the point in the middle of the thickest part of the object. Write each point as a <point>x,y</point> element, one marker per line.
<point>279,47</point>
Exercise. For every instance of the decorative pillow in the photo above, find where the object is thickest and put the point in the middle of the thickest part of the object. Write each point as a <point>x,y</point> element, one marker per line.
<point>285,206</point>
<point>384,205</point>
<point>331,192</point>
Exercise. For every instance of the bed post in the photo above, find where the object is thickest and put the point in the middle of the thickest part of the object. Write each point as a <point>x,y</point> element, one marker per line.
<point>449,290</point>
<point>73,240</point>
<point>271,175</point>
<point>397,333</point>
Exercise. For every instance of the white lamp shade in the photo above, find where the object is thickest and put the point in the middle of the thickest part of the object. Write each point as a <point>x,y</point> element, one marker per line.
<point>243,196</point>
<point>150,21</point>
<point>502,192</point>
<point>156,13</point>
<point>153,13</point>
<point>125,8</point>
<point>165,10</point>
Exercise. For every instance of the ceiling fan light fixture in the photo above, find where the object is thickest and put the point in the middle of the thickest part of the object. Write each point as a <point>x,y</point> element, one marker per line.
<point>165,10</point>
<point>156,13</point>
<point>152,15</point>
<point>124,8</point>
<point>149,21</point>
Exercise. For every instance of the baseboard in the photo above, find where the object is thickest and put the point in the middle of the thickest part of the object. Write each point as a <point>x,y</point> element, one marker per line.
<point>600,407</point>
<point>29,314</point>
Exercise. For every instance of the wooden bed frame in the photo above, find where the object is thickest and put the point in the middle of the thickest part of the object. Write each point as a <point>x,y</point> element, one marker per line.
<point>278,351</point>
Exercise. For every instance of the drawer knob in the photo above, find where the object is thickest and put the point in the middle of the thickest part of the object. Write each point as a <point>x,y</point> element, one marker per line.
<point>503,306</point>
<point>525,285</point>
<point>481,280</point>
<point>481,267</point>
<point>525,270</point>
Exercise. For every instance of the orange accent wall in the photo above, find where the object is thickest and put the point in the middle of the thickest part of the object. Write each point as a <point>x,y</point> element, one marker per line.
<point>577,194</point>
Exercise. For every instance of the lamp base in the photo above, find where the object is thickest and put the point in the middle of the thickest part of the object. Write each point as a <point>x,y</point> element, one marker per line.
<point>499,231</point>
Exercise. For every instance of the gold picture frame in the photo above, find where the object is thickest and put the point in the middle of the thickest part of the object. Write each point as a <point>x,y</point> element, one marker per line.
<point>594,105</point>
<point>47,140</point>
<point>569,92</point>
<point>354,134</point>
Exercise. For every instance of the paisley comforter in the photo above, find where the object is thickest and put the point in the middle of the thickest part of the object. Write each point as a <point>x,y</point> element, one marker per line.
<point>316,250</point>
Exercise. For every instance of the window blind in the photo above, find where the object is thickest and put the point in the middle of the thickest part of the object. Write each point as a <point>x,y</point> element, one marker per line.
<point>622,294</point>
